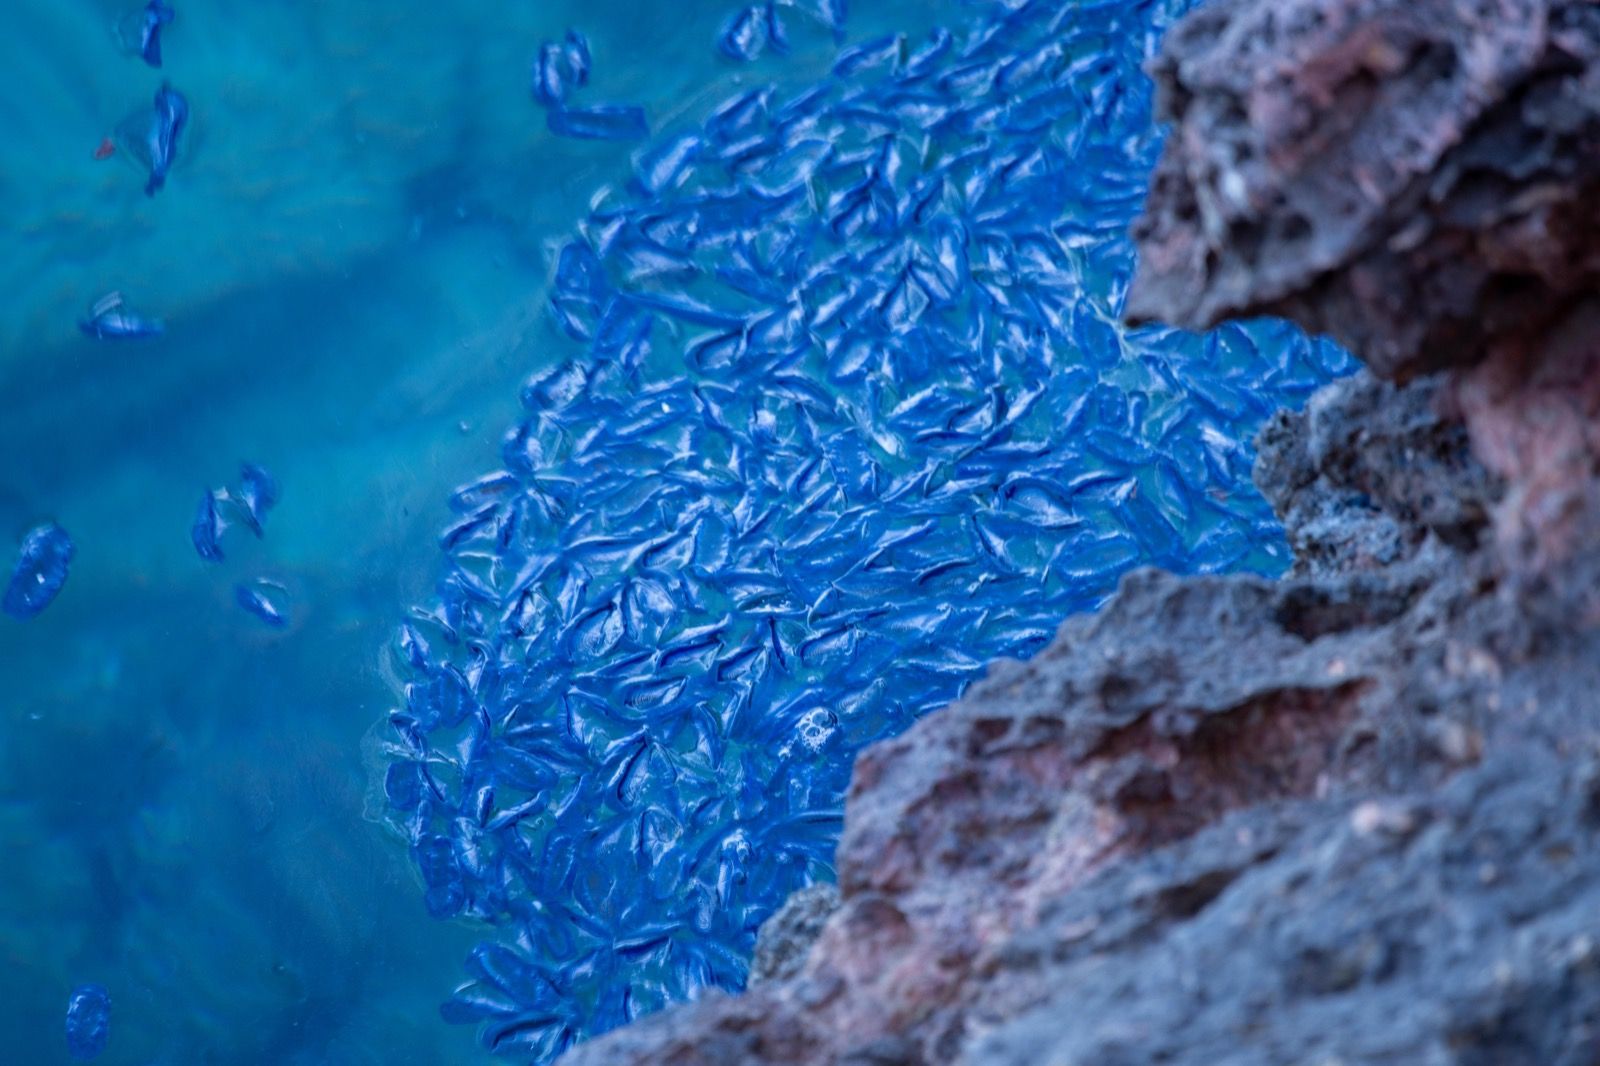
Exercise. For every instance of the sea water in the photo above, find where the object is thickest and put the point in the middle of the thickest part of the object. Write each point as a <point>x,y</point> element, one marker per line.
<point>354,259</point>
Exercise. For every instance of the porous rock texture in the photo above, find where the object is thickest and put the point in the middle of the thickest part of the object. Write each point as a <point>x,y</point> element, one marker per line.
<point>786,937</point>
<point>1419,179</point>
<point>1352,816</point>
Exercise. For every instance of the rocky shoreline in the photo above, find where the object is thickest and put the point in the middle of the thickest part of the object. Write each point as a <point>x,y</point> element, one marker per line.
<point>1352,816</point>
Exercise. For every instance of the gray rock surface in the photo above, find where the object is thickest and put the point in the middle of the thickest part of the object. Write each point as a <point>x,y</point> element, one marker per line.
<point>1413,177</point>
<point>786,938</point>
<point>1366,473</point>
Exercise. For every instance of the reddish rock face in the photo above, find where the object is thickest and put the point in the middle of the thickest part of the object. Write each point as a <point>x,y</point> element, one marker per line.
<point>1534,414</point>
<point>1417,178</point>
<point>1413,177</point>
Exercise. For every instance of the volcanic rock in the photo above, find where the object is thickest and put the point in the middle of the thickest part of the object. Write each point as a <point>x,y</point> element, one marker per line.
<point>1416,178</point>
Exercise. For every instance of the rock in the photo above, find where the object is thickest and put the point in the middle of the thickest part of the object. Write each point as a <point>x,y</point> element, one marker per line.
<point>1410,176</point>
<point>1367,472</point>
<point>1534,416</point>
<point>1474,915</point>
<point>786,938</point>
<point>1416,178</point>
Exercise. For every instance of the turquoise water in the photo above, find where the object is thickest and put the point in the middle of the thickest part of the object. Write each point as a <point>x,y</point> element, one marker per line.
<point>354,259</point>
<point>351,260</point>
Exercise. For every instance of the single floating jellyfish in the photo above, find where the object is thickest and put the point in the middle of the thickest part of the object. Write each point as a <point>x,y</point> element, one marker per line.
<point>88,1021</point>
<point>605,122</point>
<point>661,167</point>
<point>152,137</point>
<point>561,67</point>
<point>263,599</point>
<point>40,572</point>
<point>206,529</point>
<point>109,319</point>
<point>257,494</point>
<point>139,32</point>
<point>156,14</point>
